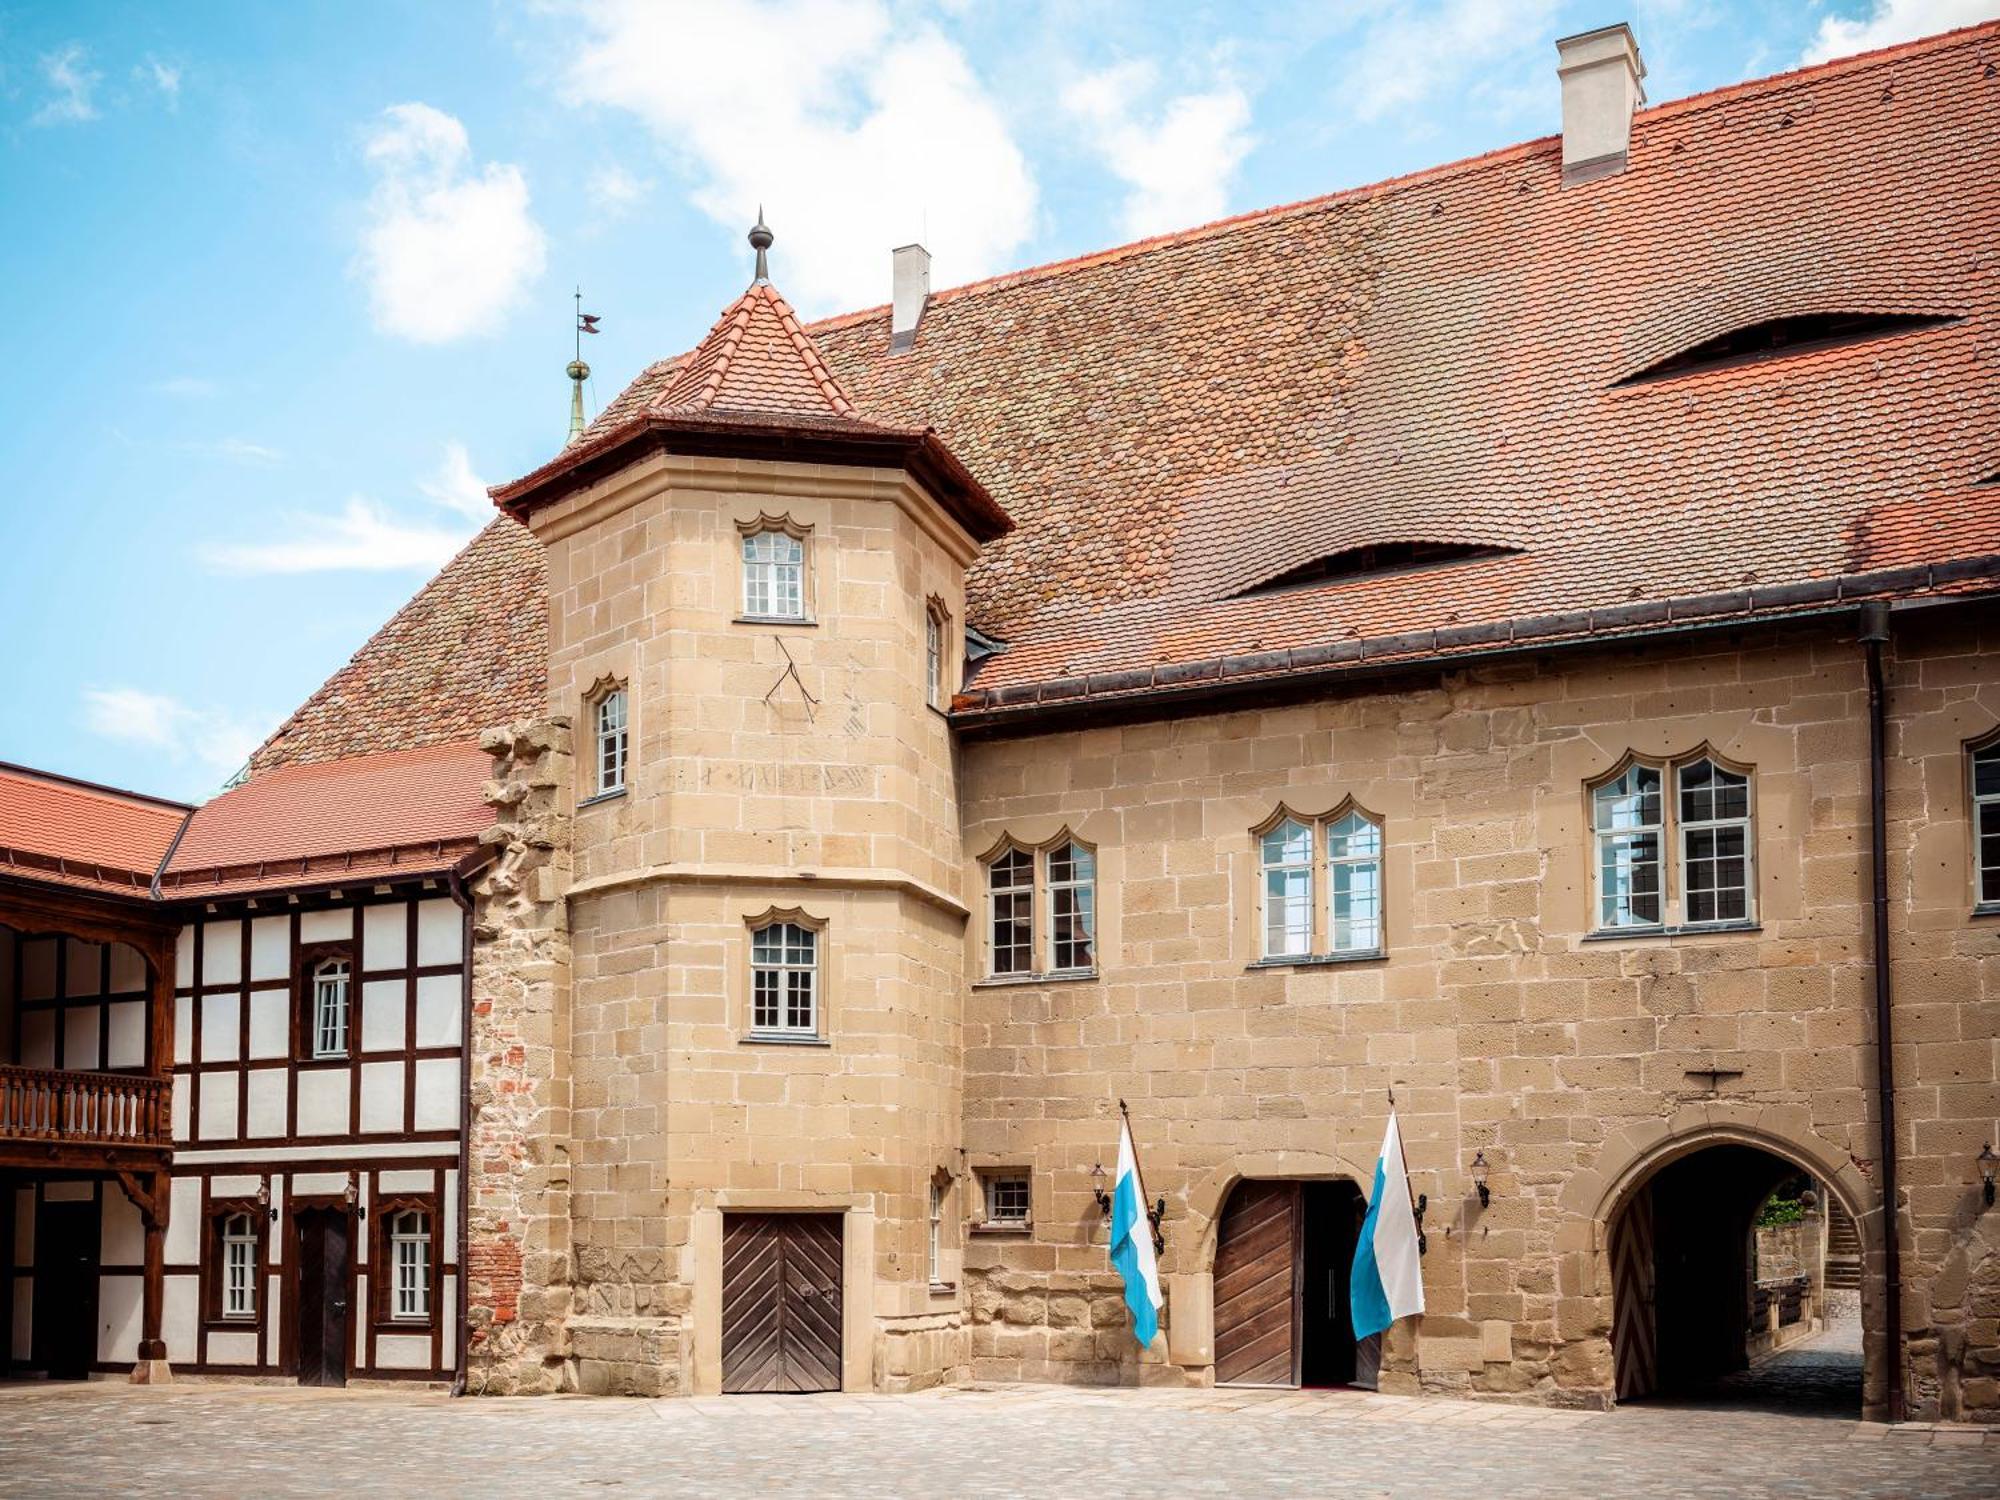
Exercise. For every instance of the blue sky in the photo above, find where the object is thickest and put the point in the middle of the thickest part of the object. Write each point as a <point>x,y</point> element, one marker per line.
<point>289,284</point>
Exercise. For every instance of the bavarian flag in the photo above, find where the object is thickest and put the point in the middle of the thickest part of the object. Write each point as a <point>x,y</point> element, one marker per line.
<point>1388,1278</point>
<point>1132,1242</point>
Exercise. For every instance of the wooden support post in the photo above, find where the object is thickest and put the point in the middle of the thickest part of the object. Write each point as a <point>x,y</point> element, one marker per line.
<point>152,1368</point>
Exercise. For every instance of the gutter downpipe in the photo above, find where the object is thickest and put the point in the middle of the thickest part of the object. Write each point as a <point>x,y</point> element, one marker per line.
<point>455,882</point>
<point>1874,635</point>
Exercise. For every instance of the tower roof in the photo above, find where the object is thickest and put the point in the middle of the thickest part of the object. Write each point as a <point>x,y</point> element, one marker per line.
<point>756,360</point>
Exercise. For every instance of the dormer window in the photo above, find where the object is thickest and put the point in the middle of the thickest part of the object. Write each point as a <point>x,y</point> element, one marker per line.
<point>1375,560</point>
<point>613,743</point>
<point>1776,336</point>
<point>774,571</point>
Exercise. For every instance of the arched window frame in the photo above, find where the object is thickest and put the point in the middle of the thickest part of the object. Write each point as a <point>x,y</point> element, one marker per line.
<point>1321,894</point>
<point>1041,909</point>
<point>937,631</point>
<point>610,704</point>
<point>235,1262</point>
<point>1982,785</point>
<point>787,966</point>
<point>1702,840</point>
<point>405,1261</point>
<point>776,554</point>
<point>326,1008</point>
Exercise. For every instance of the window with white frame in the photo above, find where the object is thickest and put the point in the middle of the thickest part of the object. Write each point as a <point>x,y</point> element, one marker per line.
<point>774,566</point>
<point>330,981</point>
<point>1059,881</point>
<point>410,1265</point>
<point>937,1234</point>
<point>1986,823</point>
<point>1009,1200</point>
<point>1290,856</point>
<point>784,980</point>
<point>613,741</point>
<point>239,1266</point>
<point>934,683</point>
<point>1699,808</point>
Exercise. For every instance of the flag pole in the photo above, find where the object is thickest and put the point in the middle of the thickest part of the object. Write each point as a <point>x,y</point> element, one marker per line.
<point>1153,1215</point>
<point>1421,1201</point>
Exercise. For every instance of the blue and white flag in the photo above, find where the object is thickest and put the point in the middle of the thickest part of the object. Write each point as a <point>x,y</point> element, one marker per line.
<point>1388,1278</point>
<point>1132,1242</point>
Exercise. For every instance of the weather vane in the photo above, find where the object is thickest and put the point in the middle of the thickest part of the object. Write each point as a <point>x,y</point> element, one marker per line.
<point>579,372</point>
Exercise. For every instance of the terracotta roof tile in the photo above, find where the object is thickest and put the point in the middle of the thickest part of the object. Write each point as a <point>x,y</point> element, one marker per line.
<point>78,834</point>
<point>756,359</point>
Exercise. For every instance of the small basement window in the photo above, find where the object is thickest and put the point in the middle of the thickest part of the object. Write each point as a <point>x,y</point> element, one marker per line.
<point>1775,336</point>
<point>1376,558</point>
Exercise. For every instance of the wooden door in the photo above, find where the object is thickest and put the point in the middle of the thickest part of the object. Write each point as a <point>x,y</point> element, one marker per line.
<point>65,1300</point>
<point>781,1300</point>
<point>1257,1268</point>
<point>1632,1320</point>
<point>322,1297</point>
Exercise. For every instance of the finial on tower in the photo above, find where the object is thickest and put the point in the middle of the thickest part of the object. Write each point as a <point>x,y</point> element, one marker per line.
<point>760,241</point>
<point>578,371</point>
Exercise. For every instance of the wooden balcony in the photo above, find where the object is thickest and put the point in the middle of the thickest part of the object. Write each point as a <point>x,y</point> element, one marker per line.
<point>102,1121</point>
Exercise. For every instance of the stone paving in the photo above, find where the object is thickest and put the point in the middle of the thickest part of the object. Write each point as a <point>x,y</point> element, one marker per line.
<point>1045,1441</point>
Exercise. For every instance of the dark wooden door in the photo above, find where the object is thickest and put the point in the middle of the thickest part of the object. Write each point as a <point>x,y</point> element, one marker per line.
<point>323,1293</point>
<point>1257,1267</point>
<point>781,1294</point>
<point>65,1306</point>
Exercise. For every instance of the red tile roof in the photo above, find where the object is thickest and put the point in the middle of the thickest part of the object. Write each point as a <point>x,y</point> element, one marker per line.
<point>1438,358</point>
<point>756,359</point>
<point>402,812</point>
<point>78,834</point>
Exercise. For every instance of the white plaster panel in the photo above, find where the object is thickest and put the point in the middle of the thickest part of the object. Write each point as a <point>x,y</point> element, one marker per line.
<point>383,1002</point>
<point>323,1096</point>
<point>183,1247</point>
<point>267,1101</point>
<point>83,970</point>
<point>121,1238</point>
<point>38,969</point>
<point>127,1045</point>
<point>440,925</point>
<point>381,1096</point>
<point>128,969</point>
<point>274,1312</point>
<point>24,1226</point>
<point>406,1182</point>
<point>232,1348</point>
<point>221,1027</point>
<point>184,1028</point>
<point>218,1107</point>
<point>308,1183</point>
<point>360,1324</point>
<point>271,948</point>
<point>327,926</point>
<point>68,1192</point>
<point>180,1318</point>
<point>439,1000</point>
<point>119,1299</point>
<point>447,1311</point>
<point>385,936</point>
<point>243,1185</point>
<point>80,1037</point>
<point>451,1215</point>
<point>402,1351</point>
<point>38,1039</point>
<point>184,958</point>
<point>24,1310</point>
<point>180,1106</point>
<point>270,1023</point>
<point>221,952</point>
<point>437,1094</point>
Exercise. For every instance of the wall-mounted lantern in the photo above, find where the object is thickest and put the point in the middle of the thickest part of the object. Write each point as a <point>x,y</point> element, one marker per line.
<point>264,1198</point>
<point>1479,1177</point>
<point>1155,1216</point>
<point>1989,1164</point>
<point>352,1197</point>
<point>1097,1189</point>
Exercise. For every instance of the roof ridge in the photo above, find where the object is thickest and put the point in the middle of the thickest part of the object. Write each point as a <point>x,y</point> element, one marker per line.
<point>103,789</point>
<point>1667,109</point>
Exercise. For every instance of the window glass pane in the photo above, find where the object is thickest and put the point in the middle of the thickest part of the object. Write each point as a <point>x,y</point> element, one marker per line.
<point>1353,837</point>
<point>1629,880</point>
<point>1071,862</point>
<point>773,575</point>
<point>1012,939</point>
<point>611,742</point>
<point>1288,844</point>
<point>1007,1200</point>
<point>1989,851</point>
<point>1986,772</point>
<point>1357,906</point>
<point>1073,925</point>
<point>1629,801</point>
<point>1287,912</point>
<point>330,1009</point>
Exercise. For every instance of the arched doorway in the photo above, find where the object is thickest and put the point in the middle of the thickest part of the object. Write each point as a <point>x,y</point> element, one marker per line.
<point>1283,1252</point>
<point>1719,1295</point>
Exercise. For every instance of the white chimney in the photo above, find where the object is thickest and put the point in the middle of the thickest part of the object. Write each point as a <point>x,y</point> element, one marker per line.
<point>912,281</point>
<point>1600,72</point>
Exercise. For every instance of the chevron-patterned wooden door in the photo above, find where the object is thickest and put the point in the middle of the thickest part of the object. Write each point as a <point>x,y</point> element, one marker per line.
<point>1257,1268</point>
<point>1633,1336</point>
<point>781,1297</point>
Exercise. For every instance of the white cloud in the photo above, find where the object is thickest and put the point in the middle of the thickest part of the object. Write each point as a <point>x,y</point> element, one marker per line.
<point>1176,160</point>
<point>1412,53</point>
<point>164,724</point>
<point>71,82</point>
<point>454,486</point>
<point>363,537</point>
<point>166,77</point>
<point>1891,21</point>
<point>614,191</point>
<point>450,247</point>
<point>235,449</point>
<point>855,129</point>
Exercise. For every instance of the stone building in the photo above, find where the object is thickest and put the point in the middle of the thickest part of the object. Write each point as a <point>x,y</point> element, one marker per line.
<point>1521,637</point>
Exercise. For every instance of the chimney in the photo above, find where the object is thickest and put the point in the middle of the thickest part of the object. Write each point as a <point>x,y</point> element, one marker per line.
<point>1600,72</point>
<point>912,279</point>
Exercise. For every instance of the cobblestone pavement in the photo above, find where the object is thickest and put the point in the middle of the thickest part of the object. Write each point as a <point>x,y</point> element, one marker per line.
<point>1816,1377</point>
<point>1044,1441</point>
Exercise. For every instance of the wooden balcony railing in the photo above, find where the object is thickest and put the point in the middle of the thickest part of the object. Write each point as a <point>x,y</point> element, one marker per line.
<point>89,1109</point>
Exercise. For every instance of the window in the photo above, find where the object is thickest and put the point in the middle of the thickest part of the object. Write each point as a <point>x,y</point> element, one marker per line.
<point>1986,823</point>
<point>937,1234</point>
<point>612,742</point>
<point>1007,1201</point>
<point>329,1007</point>
<point>1288,859</point>
<point>410,1265</point>
<point>239,1266</point>
<point>1706,820</point>
<point>784,980</point>
<point>1062,878</point>
<point>934,684</point>
<point>774,564</point>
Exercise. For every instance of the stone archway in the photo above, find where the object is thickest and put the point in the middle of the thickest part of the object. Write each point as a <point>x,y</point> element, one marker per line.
<point>1593,1200</point>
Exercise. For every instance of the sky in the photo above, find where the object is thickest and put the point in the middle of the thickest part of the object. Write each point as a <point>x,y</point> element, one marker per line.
<point>287,286</point>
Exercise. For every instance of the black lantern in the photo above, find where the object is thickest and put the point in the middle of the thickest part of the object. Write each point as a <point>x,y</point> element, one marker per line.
<point>1479,1177</point>
<point>1097,1188</point>
<point>264,1199</point>
<point>1989,1163</point>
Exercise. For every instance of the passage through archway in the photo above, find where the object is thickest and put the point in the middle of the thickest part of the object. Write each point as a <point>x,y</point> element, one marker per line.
<point>1282,1258</point>
<point>1719,1288</point>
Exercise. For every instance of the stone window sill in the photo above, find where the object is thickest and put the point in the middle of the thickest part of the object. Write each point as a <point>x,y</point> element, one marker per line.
<point>1686,929</point>
<point>774,620</point>
<point>1021,1230</point>
<point>1054,976</point>
<point>779,1039</point>
<point>611,796</point>
<point>944,1288</point>
<point>1986,908</point>
<point>1320,960</point>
